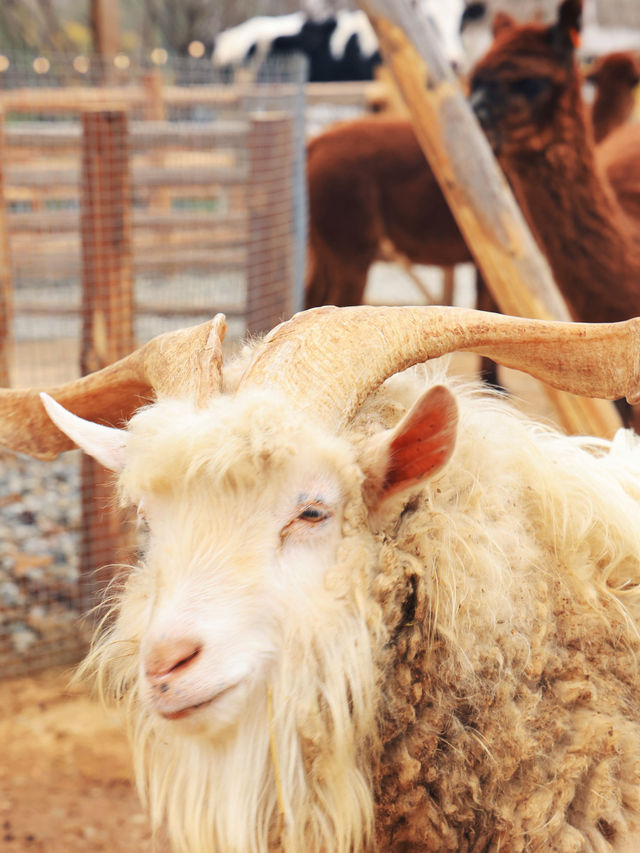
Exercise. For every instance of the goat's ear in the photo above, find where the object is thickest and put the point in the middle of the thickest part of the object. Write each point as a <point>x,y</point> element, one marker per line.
<point>565,34</point>
<point>501,21</point>
<point>416,449</point>
<point>106,444</point>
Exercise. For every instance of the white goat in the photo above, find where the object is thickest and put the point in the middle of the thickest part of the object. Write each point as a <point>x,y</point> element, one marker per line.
<point>381,617</point>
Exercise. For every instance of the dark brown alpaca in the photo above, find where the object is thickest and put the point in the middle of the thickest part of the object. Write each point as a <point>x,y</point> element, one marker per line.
<point>527,94</point>
<point>369,184</point>
<point>616,77</point>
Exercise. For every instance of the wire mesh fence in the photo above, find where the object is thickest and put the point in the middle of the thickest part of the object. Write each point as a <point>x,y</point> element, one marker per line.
<point>618,13</point>
<point>132,201</point>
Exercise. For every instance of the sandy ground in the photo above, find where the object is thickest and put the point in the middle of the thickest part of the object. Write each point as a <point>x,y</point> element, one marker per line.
<point>65,776</point>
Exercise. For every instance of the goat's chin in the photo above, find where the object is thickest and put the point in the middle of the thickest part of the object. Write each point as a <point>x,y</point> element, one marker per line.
<point>213,716</point>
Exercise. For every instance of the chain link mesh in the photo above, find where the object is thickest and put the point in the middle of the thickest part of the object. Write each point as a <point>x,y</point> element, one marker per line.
<point>133,201</point>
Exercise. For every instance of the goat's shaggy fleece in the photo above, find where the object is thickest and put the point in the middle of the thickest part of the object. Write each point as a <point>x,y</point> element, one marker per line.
<point>463,678</point>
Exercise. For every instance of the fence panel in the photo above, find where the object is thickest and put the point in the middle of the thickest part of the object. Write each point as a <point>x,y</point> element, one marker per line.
<point>130,210</point>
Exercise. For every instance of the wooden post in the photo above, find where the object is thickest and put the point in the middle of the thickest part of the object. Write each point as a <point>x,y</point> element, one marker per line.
<point>475,188</point>
<point>106,34</point>
<point>107,322</point>
<point>155,110</point>
<point>6,295</point>
<point>270,202</point>
<point>154,106</point>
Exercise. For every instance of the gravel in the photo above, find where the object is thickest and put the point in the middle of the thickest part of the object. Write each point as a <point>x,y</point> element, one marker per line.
<point>39,536</point>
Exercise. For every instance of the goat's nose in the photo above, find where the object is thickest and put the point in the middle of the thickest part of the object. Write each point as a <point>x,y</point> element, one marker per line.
<point>168,657</point>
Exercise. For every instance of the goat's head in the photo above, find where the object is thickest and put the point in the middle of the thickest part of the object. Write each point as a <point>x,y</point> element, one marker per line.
<point>528,79</point>
<point>245,503</point>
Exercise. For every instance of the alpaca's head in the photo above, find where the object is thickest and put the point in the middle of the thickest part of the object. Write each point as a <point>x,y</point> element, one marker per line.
<point>522,90</point>
<point>616,77</point>
<point>619,71</point>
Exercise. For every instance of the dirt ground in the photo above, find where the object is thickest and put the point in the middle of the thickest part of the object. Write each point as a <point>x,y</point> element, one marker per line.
<point>65,773</point>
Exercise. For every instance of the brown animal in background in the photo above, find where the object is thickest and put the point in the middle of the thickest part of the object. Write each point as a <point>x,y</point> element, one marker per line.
<point>619,156</point>
<point>369,185</point>
<point>368,182</point>
<point>616,77</point>
<point>527,94</point>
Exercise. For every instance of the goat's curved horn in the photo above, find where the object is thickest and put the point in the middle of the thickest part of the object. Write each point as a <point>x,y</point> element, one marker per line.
<point>330,359</point>
<point>177,364</point>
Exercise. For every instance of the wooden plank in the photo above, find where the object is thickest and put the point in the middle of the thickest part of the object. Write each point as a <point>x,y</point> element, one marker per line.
<point>41,177</point>
<point>107,325</point>
<point>349,94</point>
<point>72,99</point>
<point>165,261</point>
<point>475,188</point>
<point>6,295</point>
<point>143,135</point>
<point>159,309</point>
<point>178,245</point>
<point>63,221</point>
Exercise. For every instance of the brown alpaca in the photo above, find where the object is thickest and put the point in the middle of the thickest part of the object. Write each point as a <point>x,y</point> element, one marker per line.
<point>527,94</point>
<point>369,184</point>
<point>616,77</point>
<point>619,156</point>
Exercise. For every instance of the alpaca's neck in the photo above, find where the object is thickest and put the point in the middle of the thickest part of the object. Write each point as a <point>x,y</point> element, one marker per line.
<point>607,114</point>
<point>592,247</point>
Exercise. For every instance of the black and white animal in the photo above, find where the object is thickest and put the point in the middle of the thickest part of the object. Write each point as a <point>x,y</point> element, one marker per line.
<point>340,47</point>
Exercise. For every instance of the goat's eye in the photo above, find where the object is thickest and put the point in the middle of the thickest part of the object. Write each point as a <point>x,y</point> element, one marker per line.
<point>313,513</point>
<point>310,513</point>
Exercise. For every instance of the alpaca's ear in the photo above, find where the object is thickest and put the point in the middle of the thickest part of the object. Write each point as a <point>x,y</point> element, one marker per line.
<point>501,22</point>
<point>565,34</point>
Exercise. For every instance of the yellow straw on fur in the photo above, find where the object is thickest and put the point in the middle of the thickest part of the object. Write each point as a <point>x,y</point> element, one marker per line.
<point>276,763</point>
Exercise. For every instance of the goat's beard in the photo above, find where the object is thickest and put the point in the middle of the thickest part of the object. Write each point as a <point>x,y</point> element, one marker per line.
<point>295,770</point>
<point>292,774</point>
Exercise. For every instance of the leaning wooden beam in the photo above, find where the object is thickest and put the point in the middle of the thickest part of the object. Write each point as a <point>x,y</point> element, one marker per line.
<point>475,188</point>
